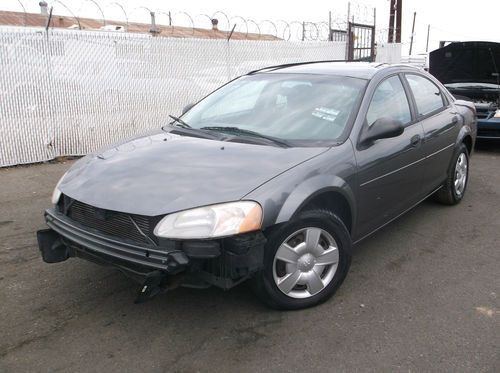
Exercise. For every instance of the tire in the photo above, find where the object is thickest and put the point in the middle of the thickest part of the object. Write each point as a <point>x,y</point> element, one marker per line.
<point>311,258</point>
<point>449,193</point>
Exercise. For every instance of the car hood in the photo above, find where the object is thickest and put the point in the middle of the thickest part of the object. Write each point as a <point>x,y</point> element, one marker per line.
<point>162,172</point>
<point>466,62</point>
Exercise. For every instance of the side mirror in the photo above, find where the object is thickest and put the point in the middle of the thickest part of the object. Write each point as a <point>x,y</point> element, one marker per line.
<point>187,108</point>
<point>382,128</point>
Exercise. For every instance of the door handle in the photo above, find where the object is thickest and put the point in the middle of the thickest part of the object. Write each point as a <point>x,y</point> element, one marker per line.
<point>415,140</point>
<point>454,120</point>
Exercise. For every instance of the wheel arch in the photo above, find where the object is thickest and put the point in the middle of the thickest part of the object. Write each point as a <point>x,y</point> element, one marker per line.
<point>467,140</point>
<point>323,193</point>
<point>466,137</point>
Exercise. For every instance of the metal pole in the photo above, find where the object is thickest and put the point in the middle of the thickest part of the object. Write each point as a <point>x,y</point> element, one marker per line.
<point>399,14</point>
<point>231,33</point>
<point>49,18</point>
<point>330,33</point>
<point>412,31</point>
<point>348,32</point>
<point>154,29</point>
<point>303,30</point>
<point>374,51</point>
<point>427,44</point>
<point>348,12</point>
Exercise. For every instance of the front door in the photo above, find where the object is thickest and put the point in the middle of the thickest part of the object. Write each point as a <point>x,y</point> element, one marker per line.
<point>389,170</point>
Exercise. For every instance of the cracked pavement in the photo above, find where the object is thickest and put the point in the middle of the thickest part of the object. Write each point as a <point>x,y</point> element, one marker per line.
<point>422,295</point>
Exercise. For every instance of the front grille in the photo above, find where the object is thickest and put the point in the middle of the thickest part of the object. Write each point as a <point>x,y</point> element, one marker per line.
<point>113,223</point>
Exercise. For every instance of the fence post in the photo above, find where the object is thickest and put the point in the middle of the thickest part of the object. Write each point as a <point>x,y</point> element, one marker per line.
<point>154,29</point>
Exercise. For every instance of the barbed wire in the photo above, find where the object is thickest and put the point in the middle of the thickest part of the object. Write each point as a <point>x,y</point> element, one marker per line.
<point>361,13</point>
<point>169,20</point>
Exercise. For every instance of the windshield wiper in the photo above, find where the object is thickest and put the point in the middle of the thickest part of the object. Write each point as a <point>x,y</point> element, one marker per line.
<point>240,131</point>
<point>180,122</point>
<point>184,128</point>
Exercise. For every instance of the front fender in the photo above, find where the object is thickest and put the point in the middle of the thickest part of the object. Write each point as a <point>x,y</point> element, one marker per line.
<point>311,188</point>
<point>284,195</point>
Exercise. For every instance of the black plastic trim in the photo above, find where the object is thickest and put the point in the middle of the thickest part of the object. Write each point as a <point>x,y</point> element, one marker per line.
<point>146,255</point>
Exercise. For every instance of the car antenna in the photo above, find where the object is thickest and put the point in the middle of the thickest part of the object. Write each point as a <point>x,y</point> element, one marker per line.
<point>496,73</point>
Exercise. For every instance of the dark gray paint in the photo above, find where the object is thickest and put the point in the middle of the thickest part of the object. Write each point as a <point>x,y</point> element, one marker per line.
<point>161,173</point>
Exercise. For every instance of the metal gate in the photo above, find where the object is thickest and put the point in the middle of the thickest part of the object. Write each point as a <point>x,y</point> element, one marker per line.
<point>338,35</point>
<point>361,44</point>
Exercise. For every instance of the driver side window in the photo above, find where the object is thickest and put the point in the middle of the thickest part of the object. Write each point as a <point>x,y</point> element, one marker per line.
<point>389,101</point>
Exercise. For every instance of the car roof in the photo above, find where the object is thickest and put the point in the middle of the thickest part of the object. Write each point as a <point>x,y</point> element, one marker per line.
<point>361,70</point>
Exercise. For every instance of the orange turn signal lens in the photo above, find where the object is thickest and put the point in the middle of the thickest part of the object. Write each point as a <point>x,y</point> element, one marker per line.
<point>252,221</point>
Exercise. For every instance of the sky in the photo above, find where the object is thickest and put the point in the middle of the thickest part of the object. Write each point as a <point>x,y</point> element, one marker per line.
<point>449,20</point>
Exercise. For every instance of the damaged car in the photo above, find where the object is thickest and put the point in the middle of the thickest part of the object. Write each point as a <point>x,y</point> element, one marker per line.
<point>470,71</point>
<point>271,178</point>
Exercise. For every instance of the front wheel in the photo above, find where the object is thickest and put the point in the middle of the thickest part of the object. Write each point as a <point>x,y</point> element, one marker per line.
<point>453,190</point>
<point>305,261</point>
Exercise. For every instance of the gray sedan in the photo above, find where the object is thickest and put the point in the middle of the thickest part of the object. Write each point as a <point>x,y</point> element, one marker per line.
<point>272,178</point>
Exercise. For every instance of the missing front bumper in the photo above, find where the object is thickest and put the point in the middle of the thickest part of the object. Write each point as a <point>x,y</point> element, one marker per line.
<point>223,263</point>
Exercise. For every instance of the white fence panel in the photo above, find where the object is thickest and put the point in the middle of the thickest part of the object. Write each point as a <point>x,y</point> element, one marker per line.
<point>69,92</point>
<point>421,61</point>
<point>389,52</point>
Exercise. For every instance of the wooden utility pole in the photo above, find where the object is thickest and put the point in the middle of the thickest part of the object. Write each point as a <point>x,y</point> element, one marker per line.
<point>399,12</point>
<point>412,31</point>
<point>392,9</point>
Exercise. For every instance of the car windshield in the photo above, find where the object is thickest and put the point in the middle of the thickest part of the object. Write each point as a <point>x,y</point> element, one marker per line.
<point>291,107</point>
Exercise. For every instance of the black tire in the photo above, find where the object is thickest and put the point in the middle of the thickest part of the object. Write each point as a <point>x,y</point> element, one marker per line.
<point>447,194</point>
<point>263,282</point>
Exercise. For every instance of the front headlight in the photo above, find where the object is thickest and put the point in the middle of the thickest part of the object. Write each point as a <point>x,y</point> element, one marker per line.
<point>225,219</point>
<point>56,194</point>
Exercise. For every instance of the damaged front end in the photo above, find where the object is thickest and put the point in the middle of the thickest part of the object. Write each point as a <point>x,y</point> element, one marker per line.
<point>126,242</point>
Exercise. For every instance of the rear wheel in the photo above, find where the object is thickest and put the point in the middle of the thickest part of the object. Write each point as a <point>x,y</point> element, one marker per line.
<point>453,190</point>
<point>305,261</point>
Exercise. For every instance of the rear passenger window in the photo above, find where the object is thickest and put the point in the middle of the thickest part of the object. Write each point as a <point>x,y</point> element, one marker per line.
<point>389,101</point>
<point>428,96</point>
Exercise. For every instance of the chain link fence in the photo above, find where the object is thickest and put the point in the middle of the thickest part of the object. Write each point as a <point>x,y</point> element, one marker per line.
<point>70,92</point>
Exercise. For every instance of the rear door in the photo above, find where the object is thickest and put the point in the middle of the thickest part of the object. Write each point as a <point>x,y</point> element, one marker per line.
<point>389,170</point>
<point>441,124</point>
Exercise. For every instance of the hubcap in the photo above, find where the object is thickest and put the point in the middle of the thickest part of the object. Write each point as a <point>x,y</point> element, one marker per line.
<point>305,263</point>
<point>460,174</point>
